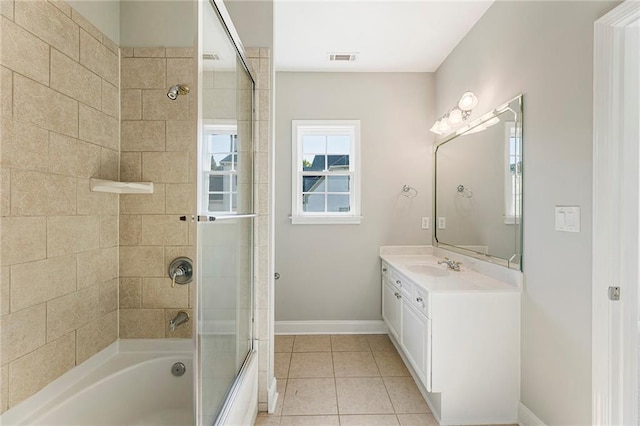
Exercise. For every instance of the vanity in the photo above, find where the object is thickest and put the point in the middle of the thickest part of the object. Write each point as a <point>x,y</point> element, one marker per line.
<point>458,331</point>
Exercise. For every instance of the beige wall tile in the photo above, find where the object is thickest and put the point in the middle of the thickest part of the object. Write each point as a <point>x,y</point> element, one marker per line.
<point>143,203</point>
<point>23,52</point>
<point>181,71</point>
<point>143,73</point>
<point>131,166</point>
<point>149,52</point>
<point>22,332</point>
<point>108,231</point>
<point>264,104</point>
<point>184,330</point>
<point>109,164</point>
<point>4,387</point>
<point>173,252</point>
<point>181,198</point>
<point>126,52</point>
<point>131,104</point>
<point>98,127</point>
<point>158,293</point>
<point>35,103</point>
<point>72,234</point>
<point>6,9</point>
<point>95,336</point>
<point>142,323</point>
<point>23,146</point>
<point>72,157</point>
<point>252,52</point>
<point>6,92</point>
<point>163,230</point>
<point>74,80</point>
<point>86,25</point>
<point>142,261</point>
<point>180,52</point>
<point>97,266</point>
<point>5,191</point>
<point>264,75</point>
<point>130,295</point>
<point>36,282</point>
<point>24,239</point>
<point>143,136</point>
<point>95,203</point>
<point>5,291</point>
<point>30,373</point>
<point>130,230</point>
<point>265,52</point>
<point>34,194</point>
<point>181,136</point>
<point>166,167</point>
<point>50,24</point>
<point>98,58</point>
<point>71,311</point>
<point>62,5</point>
<point>157,106</point>
<point>110,44</point>
<point>110,99</point>
<point>107,297</point>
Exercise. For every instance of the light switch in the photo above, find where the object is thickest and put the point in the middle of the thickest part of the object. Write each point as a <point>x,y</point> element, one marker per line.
<point>442,223</point>
<point>425,223</point>
<point>568,218</point>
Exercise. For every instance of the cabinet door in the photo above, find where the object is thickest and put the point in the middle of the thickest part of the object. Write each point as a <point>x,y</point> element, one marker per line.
<point>415,332</point>
<point>391,307</point>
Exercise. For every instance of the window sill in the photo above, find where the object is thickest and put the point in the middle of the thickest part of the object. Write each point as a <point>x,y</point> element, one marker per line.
<point>325,220</point>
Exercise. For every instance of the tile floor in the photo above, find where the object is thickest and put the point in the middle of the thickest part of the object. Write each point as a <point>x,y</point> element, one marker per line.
<point>344,380</point>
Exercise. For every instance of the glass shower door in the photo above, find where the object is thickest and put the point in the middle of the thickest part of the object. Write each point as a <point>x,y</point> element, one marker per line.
<point>225,217</point>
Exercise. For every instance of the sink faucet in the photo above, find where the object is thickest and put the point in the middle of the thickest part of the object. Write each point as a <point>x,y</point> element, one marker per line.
<point>179,319</point>
<point>452,264</point>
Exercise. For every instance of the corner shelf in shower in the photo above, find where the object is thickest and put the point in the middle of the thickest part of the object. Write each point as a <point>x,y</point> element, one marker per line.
<point>101,185</point>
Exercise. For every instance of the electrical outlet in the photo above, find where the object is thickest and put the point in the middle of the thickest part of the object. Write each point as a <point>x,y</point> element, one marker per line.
<point>425,223</point>
<point>442,223</point>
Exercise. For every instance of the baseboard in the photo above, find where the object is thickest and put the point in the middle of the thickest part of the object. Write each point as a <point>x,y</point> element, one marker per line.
<point>527,418</point>
<point>330,327</point>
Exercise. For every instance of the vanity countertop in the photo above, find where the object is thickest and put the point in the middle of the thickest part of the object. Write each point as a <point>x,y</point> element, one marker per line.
<point>465,280</point>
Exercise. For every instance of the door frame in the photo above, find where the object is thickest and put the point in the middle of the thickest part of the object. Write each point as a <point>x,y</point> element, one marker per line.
<point>616,159</point>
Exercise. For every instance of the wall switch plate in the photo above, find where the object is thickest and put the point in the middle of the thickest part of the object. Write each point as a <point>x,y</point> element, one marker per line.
<point>568,218</point>
<point>425,223</point>
<point>442,223</point>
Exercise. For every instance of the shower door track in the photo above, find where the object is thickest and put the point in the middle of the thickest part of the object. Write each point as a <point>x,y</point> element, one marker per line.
<point>216,218</point>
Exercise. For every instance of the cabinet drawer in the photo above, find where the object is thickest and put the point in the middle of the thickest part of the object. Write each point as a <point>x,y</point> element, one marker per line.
<point>401,282</point>
<point>420,299</point>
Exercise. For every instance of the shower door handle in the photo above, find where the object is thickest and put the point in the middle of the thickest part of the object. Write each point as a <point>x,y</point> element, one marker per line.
<point>216,218</point>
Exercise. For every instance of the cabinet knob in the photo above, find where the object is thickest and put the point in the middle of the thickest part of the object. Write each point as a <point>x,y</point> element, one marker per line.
<point>397,295</point>
<point>419,299</point>
<point>384,269</point>
<point>398,282</point>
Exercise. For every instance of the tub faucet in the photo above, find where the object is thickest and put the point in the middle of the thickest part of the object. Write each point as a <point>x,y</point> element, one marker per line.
<point>179,319</point>
<point>452,264</point>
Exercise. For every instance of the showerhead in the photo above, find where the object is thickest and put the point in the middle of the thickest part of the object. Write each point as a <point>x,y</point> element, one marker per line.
<point>178,89</point>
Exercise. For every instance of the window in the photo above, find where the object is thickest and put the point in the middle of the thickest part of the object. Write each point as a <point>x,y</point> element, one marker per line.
<point>220,168</point>
<point>326,172</point>
<point>513,173</point>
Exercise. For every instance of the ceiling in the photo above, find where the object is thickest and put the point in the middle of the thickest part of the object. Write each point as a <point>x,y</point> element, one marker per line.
<point>388,35</point>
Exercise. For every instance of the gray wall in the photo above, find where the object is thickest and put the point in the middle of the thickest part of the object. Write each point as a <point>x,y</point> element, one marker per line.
<point>104,14</point>
<point>331,272</point>
<point>158,23</point>
<point>253,21</point>
<point>545,50</point>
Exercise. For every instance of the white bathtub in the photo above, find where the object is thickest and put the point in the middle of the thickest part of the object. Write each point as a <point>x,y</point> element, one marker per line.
<point>128,383</point>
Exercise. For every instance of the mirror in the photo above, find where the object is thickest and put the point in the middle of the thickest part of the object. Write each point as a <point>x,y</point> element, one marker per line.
<point>478,190</point>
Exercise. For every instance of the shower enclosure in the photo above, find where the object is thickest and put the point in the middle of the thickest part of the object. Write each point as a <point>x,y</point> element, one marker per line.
<point>225,219</point>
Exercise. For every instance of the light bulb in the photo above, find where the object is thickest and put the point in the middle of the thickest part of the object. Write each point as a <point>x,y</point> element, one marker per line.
<point>455,117</point>
<point>468,101</point>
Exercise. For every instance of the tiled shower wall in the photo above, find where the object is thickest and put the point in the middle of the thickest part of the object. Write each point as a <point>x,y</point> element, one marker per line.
<point>158,145</point>
<point>60,95</point>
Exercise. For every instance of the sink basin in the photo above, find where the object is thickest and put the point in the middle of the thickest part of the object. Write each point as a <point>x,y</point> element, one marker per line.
<point>432,271</point>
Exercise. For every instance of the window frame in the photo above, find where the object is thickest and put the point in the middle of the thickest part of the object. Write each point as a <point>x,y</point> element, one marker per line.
<point>215,127</point>
<point>512,194</point>
<point>300,128</point>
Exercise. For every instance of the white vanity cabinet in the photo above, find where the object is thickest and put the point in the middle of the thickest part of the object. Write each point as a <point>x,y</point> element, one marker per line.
<point>391,306</point>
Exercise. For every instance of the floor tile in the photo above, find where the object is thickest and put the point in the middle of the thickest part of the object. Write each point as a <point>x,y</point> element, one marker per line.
<point>380,343</point>
<point>267,419</point>
<point>309,397</point>
<point>362,396</point>
<point>320,343</point>
<point>349,343</point>
<point>354,364</point>
<point>310,420</point>
<point>417,420</point>
<point>390,364</point>
<point>281,361</point>
<point>310,364</point>
<point>405,396</point>
<point>369,420</point>
<point>283,343</point>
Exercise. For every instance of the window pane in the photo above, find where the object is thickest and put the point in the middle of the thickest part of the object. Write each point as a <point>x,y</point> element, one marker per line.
<point>219,202</point>
<point>338,184</point>
<point>338,144</point>
<point>313,203</point>
<point>313,184</point>
<point>338,203</point>
<point>221,162</point>
<point>221,143</point>
<point>313,163</point>
<point>312,144</point>
<point>219,183</point>
<point>338,162</point>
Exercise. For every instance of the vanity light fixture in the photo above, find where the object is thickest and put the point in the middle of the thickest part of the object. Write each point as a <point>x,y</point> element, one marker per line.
<point>456,115</point>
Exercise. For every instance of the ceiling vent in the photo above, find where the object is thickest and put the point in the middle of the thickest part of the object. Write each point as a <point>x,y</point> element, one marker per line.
<point>343,57</point>
<point>211,56</point>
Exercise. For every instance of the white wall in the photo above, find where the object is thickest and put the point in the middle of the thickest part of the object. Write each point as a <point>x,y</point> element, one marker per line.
<point>104,14</point>
<point>545,50</point>
<point>331,272</point>
<point>158,23</point>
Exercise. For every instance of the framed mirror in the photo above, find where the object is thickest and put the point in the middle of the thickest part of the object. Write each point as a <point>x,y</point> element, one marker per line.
<point>478,187</point>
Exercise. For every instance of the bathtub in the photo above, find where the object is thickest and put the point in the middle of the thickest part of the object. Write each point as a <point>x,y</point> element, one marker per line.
<point>128,383</point>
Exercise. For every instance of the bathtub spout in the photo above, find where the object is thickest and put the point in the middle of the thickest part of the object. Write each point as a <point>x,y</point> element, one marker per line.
<point>179,319</point>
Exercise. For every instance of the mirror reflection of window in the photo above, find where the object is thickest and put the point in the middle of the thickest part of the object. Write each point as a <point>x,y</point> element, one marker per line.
<point>513,173</point>
<point>221,168</point>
